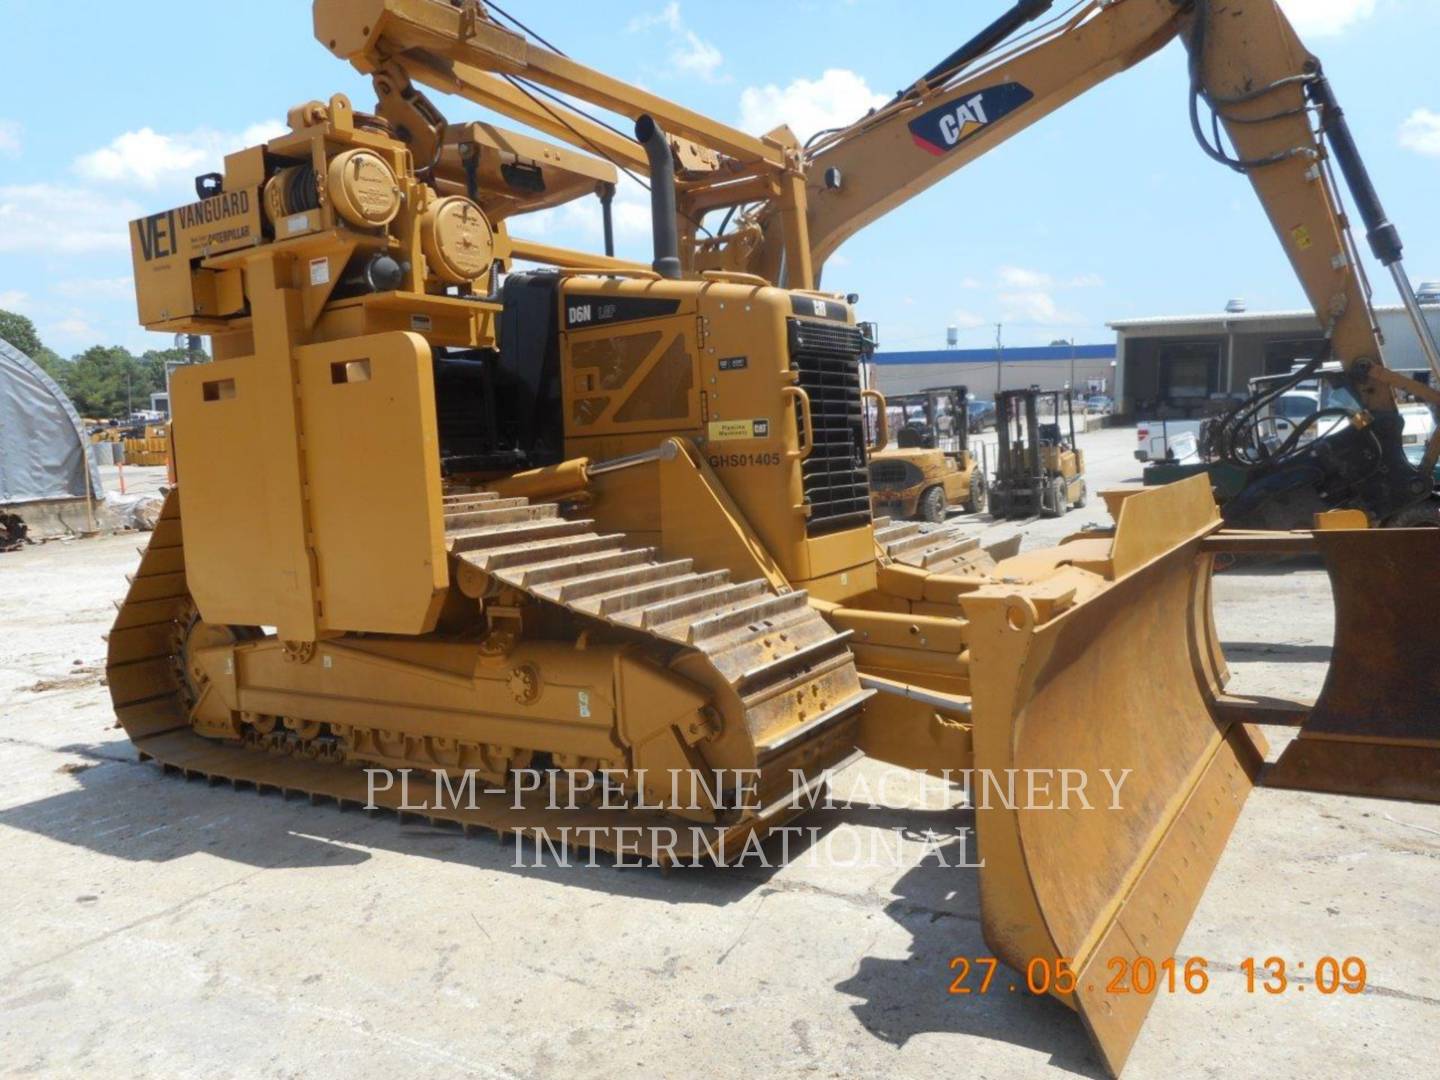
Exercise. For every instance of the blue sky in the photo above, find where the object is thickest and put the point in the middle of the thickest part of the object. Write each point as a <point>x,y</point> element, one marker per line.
<point>1104,210</point>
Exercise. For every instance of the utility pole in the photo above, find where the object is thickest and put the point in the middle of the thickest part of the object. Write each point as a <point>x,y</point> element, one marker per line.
<point>999,358</point>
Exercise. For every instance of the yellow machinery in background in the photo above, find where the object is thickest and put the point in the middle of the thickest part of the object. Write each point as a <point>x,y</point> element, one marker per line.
<point>150,448</point>
<point>1039,466</point>
<point>931,467</point>
<point>603,520</point>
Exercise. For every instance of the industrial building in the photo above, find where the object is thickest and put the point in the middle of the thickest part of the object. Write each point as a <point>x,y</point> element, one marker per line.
<point>1087,368</point>
<point>1177,366</point>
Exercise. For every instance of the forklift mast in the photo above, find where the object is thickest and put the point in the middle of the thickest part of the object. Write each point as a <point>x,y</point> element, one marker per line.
<point>1017,425</point>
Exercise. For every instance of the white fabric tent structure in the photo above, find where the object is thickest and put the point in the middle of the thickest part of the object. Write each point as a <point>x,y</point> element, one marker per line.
<point>44,452</point>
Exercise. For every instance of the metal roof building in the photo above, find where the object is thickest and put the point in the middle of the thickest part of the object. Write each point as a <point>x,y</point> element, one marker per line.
<point>44,452</point>
<point>1186,365</point>
<point>986,370</point>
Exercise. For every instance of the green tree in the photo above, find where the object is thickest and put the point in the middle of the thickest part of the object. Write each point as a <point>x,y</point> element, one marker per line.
<point>109,380</point>
<point>104,380</point>
<point>53,364</point>
<point>156,359</point>
<point>20,333</point>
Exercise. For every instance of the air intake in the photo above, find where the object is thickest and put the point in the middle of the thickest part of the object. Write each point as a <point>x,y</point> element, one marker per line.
<point>826,360</point>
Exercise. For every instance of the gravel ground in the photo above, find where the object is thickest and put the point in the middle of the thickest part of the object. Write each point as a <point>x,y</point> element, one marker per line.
<point>155,927</point>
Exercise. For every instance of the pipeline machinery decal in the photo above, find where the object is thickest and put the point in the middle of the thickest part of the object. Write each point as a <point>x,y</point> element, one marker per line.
<point>944,128</point>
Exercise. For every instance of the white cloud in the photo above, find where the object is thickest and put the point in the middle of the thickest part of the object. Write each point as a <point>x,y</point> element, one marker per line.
<point>697,57</point>
<point>1017,277</point>
<point>14,300</point>
<point>689,54</point>
<point>91,288</point>
<point>1025,280</point>
<point>75,330</point>
<point>837,98</point>
<point>1034,307</point>
<point>64,220</point>
<point>10,137</point>
<point>1326,18</point>
<point>967,320</point>
<point>969,282</point>
<point>668,17</point>
<point>147,158</point>
<point>579,223</point>
<point>1421,132</point>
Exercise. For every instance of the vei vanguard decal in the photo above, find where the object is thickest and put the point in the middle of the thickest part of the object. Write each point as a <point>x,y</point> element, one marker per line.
<point>944,128</point>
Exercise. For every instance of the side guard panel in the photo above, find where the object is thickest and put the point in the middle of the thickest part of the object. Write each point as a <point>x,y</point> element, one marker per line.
<point>1375,729</point>
<point>1117,691</point>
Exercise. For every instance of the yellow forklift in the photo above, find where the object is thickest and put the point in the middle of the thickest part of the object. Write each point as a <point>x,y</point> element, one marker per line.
<point>931,467</point>
<point>1038,473</point>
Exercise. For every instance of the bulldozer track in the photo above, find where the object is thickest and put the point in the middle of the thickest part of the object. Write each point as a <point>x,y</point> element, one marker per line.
<point>774,652</point>
<point>772,648</point>
<point>938,549</point>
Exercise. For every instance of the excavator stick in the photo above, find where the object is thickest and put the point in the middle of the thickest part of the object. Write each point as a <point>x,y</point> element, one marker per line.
<point>1117,692</point>
<point>1375,729</point>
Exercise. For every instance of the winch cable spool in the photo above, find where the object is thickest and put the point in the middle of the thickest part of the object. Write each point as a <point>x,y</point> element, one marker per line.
<point>294,189</point>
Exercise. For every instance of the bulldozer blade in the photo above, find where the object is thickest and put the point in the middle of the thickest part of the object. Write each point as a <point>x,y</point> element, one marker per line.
<point>1375,728</point>
<point>1118,691</point>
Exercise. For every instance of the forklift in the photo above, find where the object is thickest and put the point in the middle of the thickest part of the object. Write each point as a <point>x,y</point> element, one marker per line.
<point>932,467</point>
<point>1037,472</point>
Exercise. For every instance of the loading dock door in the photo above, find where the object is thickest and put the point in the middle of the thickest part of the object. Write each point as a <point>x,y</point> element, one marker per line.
<point>1189,372</point>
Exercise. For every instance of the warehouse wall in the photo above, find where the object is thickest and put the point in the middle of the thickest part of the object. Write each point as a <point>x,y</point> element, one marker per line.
<point>1402,347</point>
<point>1262,344</point>
<point>980,377</point>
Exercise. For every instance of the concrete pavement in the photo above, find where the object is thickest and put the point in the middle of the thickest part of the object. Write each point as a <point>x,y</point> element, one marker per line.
<point>154,927</point>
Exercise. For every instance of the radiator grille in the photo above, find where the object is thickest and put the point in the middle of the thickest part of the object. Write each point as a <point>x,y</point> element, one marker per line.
<point>894,474</point>
<point>826,356</point>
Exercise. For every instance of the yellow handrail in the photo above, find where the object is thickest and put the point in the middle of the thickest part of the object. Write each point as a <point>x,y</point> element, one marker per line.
<point>807,422</point>
<point>882,421</point>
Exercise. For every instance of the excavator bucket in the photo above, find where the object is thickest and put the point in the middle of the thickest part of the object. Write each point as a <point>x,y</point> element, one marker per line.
<point>1375,729</point>
<point>1114,696</point>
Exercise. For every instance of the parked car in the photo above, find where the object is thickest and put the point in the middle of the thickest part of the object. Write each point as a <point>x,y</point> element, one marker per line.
<point>1296,406</point>
<point>1100,404</point>
<point>1419,424</point>
<point>1293,408</point>
<point>1166,440</point>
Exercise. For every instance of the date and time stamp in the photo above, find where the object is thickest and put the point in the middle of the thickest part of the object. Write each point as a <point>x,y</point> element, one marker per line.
<point>1272,975</point>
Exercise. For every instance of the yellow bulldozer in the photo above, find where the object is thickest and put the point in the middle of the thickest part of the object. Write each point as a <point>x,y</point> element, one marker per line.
<point>610,523</point>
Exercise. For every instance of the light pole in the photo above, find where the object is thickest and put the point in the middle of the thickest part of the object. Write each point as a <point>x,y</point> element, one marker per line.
<point>999,358</point>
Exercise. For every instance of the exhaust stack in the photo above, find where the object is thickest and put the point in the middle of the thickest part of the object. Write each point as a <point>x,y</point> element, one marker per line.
<point>662,196</point>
